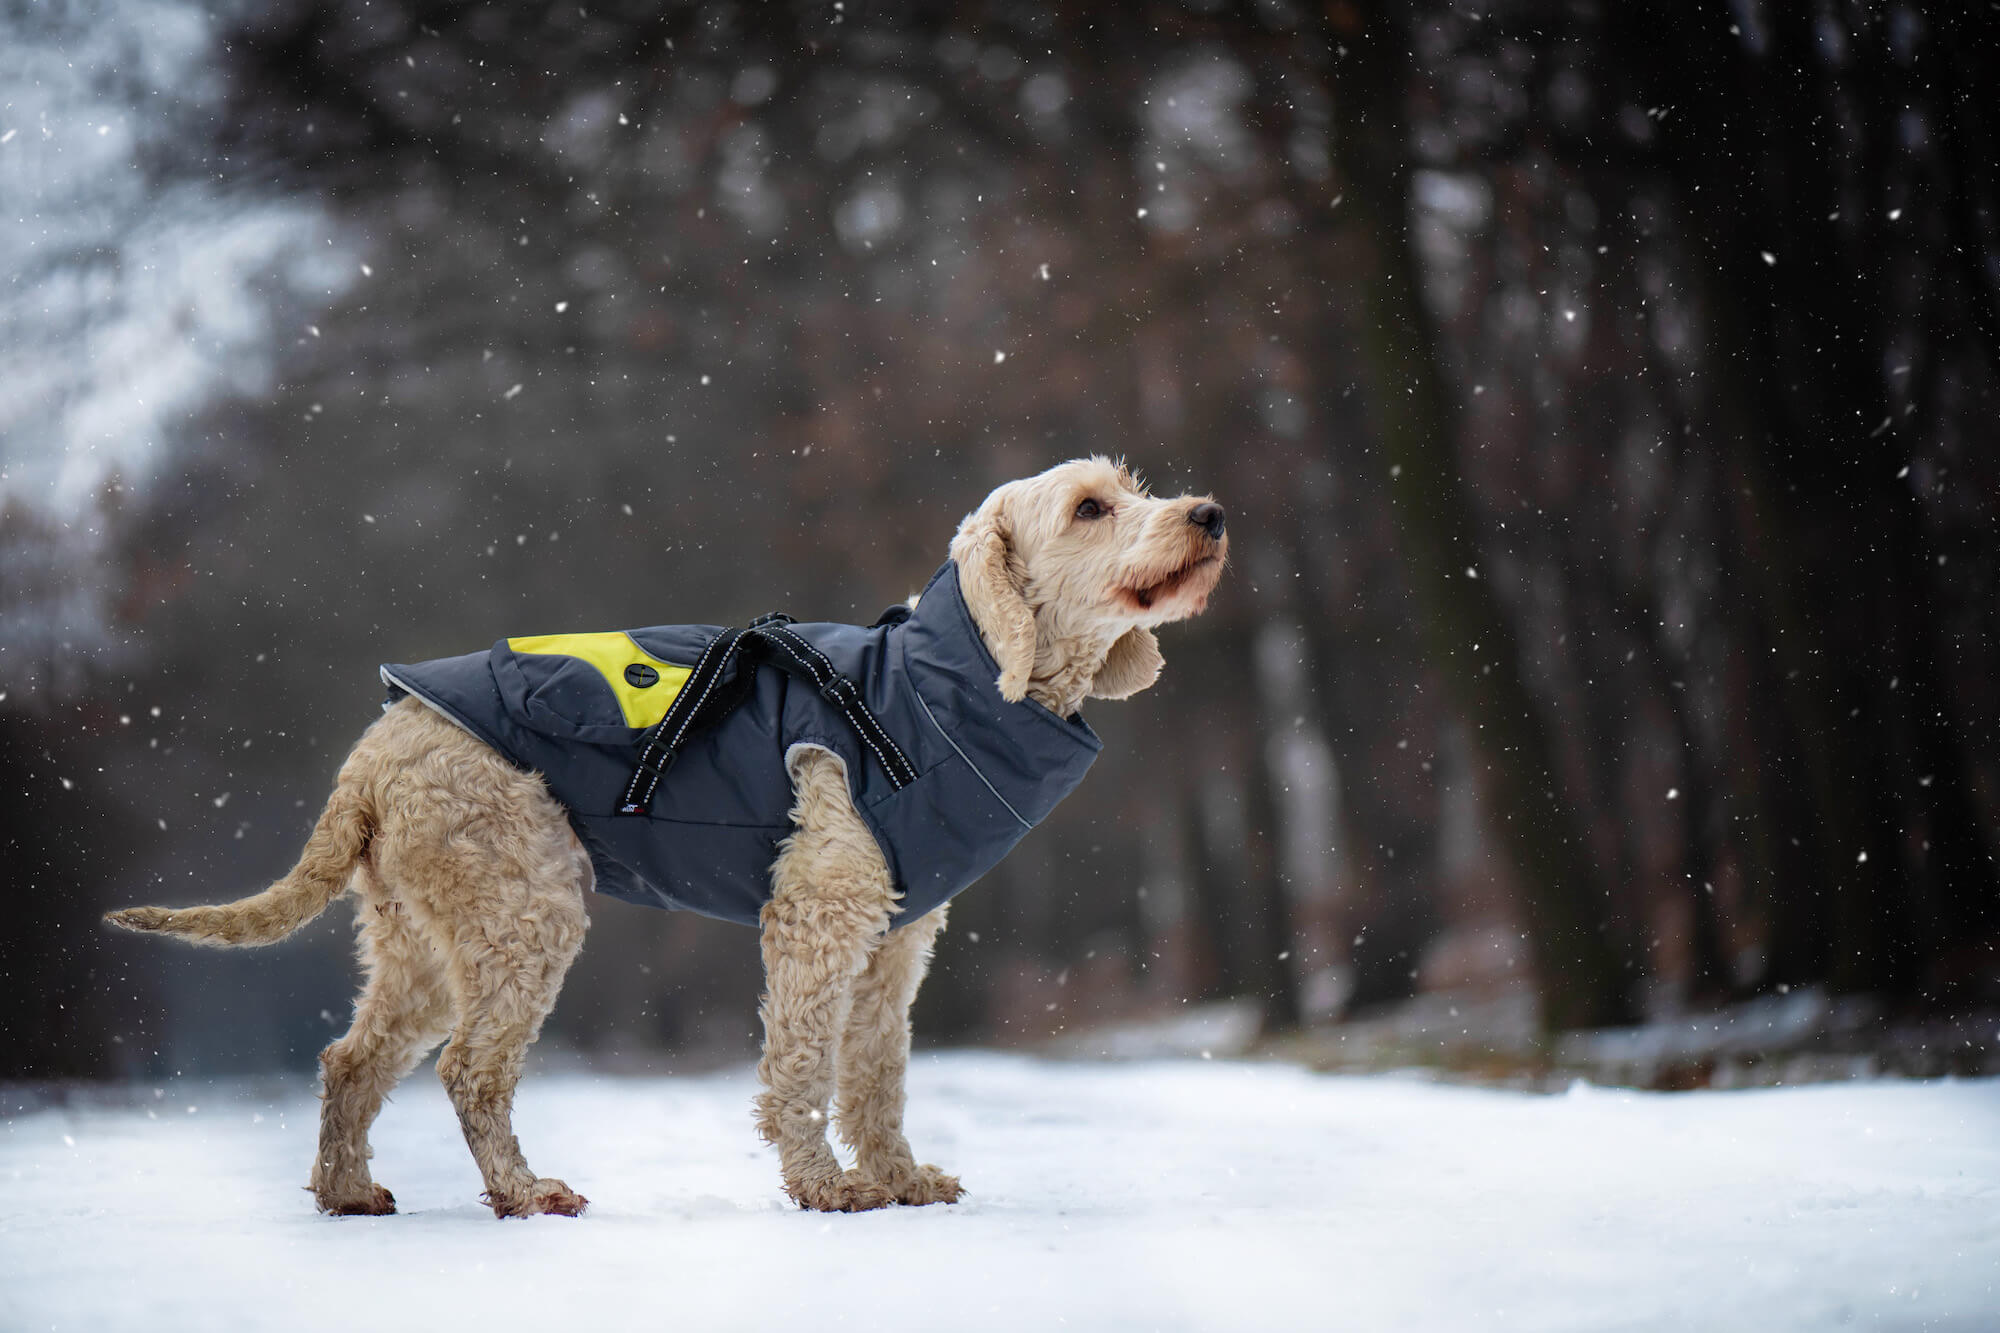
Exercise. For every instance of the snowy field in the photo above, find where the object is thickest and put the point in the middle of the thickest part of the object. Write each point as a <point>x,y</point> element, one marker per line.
<point>1144,1196</point>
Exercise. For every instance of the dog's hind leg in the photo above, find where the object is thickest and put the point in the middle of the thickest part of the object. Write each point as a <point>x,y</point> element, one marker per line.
<point>830,903</point>
<point>514,932</point>
<point>402,1013</point>
<point>875,1055</point>
<point>480,1067</point>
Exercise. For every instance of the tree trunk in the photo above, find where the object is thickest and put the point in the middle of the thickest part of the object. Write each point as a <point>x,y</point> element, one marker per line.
<point>1575,966</point>
<point>1796,308</point>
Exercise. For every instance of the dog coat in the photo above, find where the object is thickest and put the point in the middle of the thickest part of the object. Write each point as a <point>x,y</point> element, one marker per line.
<point>667,746</point>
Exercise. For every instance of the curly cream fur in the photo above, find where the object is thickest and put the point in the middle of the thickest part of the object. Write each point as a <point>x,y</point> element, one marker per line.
<point>1068,604</point>
<point>472,885</point>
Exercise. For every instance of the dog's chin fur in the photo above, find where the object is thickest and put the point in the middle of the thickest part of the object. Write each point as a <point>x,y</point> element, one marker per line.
<point>473,885</point>
<point>1180,594</point>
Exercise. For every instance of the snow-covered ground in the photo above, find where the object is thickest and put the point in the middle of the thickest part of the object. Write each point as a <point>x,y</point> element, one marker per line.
<point>1190,1195</point>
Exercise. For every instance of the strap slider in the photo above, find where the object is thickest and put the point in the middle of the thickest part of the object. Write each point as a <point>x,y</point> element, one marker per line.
<point>658,766</point>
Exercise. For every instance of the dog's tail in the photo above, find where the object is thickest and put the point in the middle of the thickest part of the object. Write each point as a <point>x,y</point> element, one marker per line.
<point>337,843</point>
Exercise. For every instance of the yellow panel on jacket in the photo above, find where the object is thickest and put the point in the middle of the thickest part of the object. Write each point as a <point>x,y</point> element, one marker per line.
<point>645,686</point>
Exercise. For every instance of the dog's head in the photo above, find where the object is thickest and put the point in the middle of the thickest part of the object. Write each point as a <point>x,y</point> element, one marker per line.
<point>1069,572</point>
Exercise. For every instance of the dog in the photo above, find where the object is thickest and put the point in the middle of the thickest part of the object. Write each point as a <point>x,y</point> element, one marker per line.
<point>472,875</point>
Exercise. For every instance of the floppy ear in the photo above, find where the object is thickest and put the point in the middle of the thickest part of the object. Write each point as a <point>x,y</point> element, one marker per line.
<point>1134,664</point>
<point>993,593</point>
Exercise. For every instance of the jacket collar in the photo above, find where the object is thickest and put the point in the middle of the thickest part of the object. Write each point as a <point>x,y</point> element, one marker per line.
<point>944,648</point>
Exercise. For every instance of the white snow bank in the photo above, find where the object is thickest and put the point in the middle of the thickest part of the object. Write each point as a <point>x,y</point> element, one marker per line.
<point>1157,1196</point>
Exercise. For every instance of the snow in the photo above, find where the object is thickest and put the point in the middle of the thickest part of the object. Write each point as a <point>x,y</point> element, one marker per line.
<point>1160,1195</point>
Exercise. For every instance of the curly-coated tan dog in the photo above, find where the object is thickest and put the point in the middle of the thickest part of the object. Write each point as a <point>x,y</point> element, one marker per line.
<point>472,876</point>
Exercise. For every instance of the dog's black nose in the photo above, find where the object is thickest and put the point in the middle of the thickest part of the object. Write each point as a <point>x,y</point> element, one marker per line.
<point>1208,516</point>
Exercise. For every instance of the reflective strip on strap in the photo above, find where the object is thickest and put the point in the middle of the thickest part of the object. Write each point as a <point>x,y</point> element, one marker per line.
<point>663,742</point>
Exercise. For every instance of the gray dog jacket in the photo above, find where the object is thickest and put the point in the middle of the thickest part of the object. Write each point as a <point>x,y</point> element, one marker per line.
<point>681,801</point>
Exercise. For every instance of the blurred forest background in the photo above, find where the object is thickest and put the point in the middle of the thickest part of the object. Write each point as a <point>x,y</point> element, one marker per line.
<point>1603,396</point>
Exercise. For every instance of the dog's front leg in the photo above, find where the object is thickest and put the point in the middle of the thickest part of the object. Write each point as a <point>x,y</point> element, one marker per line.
<point>830,904</point>
<point>875,1056</point>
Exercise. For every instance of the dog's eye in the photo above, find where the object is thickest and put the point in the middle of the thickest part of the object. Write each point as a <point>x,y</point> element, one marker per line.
<point>1090,509</point>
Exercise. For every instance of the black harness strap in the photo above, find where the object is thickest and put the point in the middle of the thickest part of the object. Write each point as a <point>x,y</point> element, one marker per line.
<point>703,701</point>
<point>798,657</point>
<point>663,742</point>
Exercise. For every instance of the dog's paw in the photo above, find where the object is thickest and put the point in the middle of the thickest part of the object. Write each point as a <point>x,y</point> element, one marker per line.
<point>552,1196</point>
<point>376,1202</point>
<point>544,1196</point>
<point>848,1192</point>
<point>930,1186</point>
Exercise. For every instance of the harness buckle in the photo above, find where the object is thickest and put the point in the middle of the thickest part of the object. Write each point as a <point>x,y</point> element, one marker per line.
<point>658,768</point>
<point>639,802</point>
